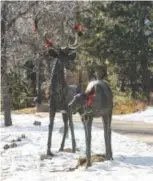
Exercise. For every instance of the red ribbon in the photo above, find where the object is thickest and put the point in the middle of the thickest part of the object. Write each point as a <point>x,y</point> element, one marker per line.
<point>90,100</point>
<point>48,43</point>
<point>33,28</point>
<point>78,27</point>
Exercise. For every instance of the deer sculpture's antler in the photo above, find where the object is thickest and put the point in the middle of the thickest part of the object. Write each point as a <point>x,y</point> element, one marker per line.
<point>49,42</point>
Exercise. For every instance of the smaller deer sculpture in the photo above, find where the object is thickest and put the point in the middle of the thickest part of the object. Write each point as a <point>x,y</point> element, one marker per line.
<point>96,101</point>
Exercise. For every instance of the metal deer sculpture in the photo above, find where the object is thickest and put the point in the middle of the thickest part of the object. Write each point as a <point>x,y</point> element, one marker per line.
<point>62,58</point>
<point>96,101</point>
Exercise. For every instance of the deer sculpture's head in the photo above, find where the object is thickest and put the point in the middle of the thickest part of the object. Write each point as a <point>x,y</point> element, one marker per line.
<point>66,55</point>
<point>77,102</point>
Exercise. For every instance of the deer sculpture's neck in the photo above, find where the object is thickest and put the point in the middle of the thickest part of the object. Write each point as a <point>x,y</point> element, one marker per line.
<point>58,84</point>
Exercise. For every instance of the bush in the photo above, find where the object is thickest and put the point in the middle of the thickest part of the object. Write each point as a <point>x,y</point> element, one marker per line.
<point>20,90</point>
<point>125,104</point>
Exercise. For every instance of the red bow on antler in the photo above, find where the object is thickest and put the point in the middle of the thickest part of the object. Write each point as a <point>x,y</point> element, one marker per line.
<point>33,28</point>
<point>48,43</point>
<point>77,27</point>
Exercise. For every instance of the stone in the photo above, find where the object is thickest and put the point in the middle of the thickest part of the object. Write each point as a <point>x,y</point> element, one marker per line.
<point>23,136</point>
<point>37,123</point>
<point>13,145</point>
<point>6,147</point>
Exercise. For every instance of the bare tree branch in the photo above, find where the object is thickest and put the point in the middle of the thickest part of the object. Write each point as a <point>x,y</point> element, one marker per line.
<point>14,19</point>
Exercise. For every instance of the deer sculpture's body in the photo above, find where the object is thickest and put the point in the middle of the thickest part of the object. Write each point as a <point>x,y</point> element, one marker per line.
<point>99,96</point>
<point>72,91</point>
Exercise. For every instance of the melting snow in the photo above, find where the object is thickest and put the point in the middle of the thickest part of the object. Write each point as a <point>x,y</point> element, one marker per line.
<point>145,116</point>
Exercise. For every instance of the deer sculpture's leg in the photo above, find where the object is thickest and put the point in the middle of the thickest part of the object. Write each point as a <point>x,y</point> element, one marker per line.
<point>72,131</point>
<point>65,119</point>
<point>88,127</point>
<point>107,136</point>
<point>110,136</point>
<point>52,112</point>
<point>86,137</point>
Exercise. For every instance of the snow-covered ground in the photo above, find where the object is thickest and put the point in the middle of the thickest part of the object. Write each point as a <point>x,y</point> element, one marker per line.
<point>145,116</point>
<point>132,160</point>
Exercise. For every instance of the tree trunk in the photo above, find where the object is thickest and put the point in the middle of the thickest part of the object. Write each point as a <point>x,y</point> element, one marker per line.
<point>144,53</point>
<point>101,72</point>
<point>6,100</point>
<point>38,81</point>
<point>91,73</point>
<point>5,90</point>
<point>133,77</point>
<point>122,88</point>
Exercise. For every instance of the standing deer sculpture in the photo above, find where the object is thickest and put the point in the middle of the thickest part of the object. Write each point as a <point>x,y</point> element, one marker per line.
<point>62,58</point>
<point>96,101</point>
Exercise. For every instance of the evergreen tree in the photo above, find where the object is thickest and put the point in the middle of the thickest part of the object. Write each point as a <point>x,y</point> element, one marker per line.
<point>122,33</point>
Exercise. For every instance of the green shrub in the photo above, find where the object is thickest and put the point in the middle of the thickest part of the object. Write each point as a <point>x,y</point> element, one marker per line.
<point>20,90</point>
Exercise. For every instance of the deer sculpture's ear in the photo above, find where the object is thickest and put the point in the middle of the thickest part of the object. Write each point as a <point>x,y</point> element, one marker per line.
<point>53,53</point>
<point>84,96</point>
<point>78,89</point>
<point>72,55</point>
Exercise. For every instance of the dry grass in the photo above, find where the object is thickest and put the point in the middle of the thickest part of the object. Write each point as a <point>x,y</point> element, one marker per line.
<point>130,106</point>
<point>94,158</point>
<point>30,110</point>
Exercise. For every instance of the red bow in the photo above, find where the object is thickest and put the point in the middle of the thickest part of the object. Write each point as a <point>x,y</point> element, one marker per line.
<point>48,43</point>
<point>90,100</point>
<point>78,27</point>
<point>33,28</point>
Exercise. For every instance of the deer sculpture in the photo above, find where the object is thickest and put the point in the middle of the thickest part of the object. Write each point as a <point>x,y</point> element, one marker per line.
<point>62,58</point>
<point>96,101</point>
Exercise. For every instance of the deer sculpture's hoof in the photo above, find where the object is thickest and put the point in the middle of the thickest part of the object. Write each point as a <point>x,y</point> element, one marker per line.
<point>50,154</point>
<point>84,162</point>
<point>73,150</point>
<point>61,149</point>
<point>88,164</point>
<point>108,157</point>
<point>46,156</point>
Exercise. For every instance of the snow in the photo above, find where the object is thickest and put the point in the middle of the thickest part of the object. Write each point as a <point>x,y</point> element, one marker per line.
<point>145,116</point>
<point>132,160</point>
